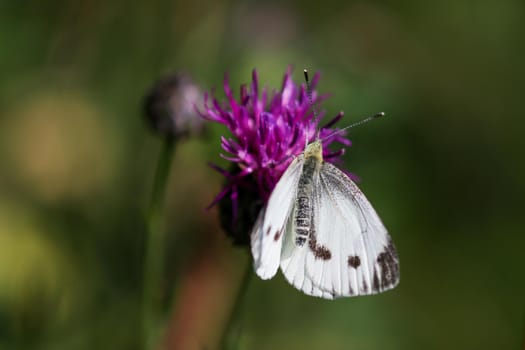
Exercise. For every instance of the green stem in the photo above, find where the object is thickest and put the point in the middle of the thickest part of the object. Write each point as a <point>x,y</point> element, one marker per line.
<point>154,254</point>
<point>230,335</point>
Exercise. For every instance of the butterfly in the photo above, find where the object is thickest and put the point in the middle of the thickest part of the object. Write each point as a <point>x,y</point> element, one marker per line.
<point>323,233</point>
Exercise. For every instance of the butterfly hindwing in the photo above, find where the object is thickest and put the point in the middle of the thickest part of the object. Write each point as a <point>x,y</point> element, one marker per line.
<point>293,265</point>
<point>294,257</point>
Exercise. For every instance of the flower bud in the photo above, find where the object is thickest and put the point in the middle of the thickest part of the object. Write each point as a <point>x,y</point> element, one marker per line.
<point>169,107</point>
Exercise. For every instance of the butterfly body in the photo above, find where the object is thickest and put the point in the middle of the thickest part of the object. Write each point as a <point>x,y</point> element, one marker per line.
<point>322,232</point>
<point>305,189</point>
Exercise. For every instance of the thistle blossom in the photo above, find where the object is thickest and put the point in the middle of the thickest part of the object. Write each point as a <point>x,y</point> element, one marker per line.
<point>267,132</point>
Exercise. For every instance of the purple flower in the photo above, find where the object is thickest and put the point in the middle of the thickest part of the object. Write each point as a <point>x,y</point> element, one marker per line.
<point>267,132</point>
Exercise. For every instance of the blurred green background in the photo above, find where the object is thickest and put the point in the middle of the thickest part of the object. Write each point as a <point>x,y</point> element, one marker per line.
<point>445,170</point>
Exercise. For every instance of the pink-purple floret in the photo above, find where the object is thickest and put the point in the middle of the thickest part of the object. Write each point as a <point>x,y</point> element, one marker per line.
<point>268,131</point>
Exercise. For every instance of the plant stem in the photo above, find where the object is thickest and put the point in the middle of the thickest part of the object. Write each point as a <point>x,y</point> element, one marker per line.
<point>154,254</point>
<point>230,335</point>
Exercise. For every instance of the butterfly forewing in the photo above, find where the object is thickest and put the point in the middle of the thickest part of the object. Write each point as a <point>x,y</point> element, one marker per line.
<point>364,260</point>
<point>266,236</point>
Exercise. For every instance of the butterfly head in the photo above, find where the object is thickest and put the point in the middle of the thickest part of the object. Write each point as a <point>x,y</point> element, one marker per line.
<point>314,149</point>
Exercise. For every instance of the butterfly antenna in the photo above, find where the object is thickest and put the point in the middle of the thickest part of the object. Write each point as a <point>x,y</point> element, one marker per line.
<point>363,121</point>
<point>309,92</point>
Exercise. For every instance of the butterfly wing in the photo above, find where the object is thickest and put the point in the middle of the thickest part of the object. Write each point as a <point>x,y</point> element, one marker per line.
<point>294,265</point>
<point>294,258</point>
<point>363,258</point>
<point>349,251</point>
<point>268,231</point>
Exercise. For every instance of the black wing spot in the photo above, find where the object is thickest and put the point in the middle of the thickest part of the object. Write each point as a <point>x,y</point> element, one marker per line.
<point>354,261</point>
<point>277,235</point>
<point>320,251</point>
<point>387,261</point>
<point>268,230</point>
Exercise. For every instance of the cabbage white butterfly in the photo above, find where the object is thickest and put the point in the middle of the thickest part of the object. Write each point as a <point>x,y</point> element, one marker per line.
<point>323,232</point>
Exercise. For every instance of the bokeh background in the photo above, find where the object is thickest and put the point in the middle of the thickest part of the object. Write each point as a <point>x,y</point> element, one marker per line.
<point>445,170</point>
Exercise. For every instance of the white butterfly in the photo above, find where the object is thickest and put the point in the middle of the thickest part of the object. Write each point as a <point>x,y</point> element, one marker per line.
<point>323,233</point>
